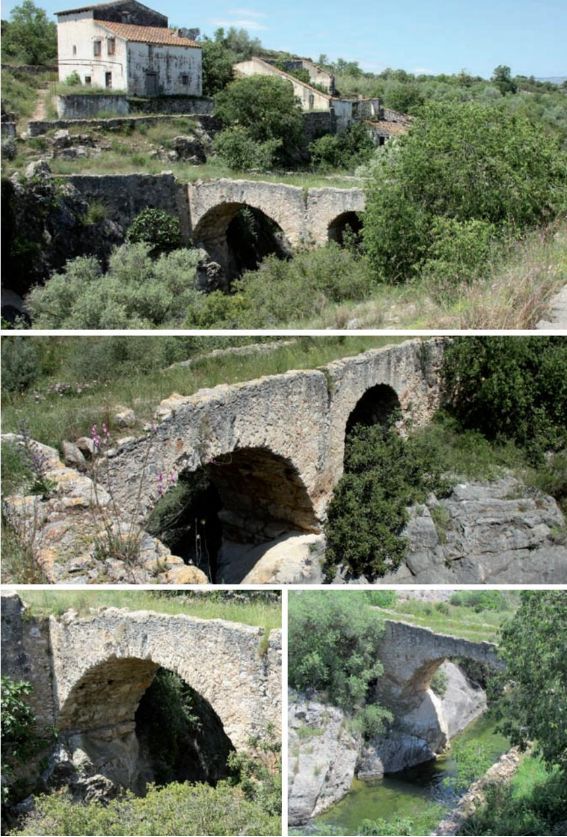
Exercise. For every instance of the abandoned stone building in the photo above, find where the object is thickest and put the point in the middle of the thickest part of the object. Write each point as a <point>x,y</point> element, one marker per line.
<point>124,45</point>
<point>382,123</point>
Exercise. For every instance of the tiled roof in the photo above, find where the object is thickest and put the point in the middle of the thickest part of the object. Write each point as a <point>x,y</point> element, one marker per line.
<point>147,34</point>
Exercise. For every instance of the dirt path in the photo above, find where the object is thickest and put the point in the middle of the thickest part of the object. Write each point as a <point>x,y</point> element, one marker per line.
<point>557,315</point>
<point>40,111</point>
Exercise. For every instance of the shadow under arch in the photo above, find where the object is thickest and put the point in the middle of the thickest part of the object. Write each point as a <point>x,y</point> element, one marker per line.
<point>239,237</point>
<point>347,223</point>
<point>111,721</point>
<point>379,405</point>
<point>246,498</point>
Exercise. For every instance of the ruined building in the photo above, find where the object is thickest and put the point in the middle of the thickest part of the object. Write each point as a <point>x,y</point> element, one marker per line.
<point>124,45</point>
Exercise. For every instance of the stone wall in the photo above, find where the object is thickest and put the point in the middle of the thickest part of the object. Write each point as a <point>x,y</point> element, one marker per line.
<point>38,127</point>
<point>317,123</point>
<point>126,195</point>
<point>77,106</point>
<point>191,105</point>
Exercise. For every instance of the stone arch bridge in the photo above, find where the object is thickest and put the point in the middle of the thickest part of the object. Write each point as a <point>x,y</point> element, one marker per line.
<point>274,447</point>
<point>89,673</point>
<point>410,656</point>
<point>205,208</point>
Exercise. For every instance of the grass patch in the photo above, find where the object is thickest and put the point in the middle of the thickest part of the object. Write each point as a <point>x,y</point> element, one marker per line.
<point>454,620</point>
<point>54,417</point>
<point>248,610</point>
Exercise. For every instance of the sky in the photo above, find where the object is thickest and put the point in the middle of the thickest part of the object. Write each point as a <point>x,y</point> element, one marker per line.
<point>420,36</point>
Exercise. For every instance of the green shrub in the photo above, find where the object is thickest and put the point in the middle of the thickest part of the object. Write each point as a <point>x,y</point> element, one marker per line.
<point>462,162</point>
<point>332,648</point>
<point>509,388</point>
<point>156,228</point>
<point>72,80</point>
<point>381,598</point>
<point>20,364</point>
<point>480,600</point>
<point>266,108</point>
<point>440,682</point>
<point>346,150</point>
<point>384,474</point>
<point>136,292</point>
<point>174,809</point>
<point>459,250</point>
<point>18,720</point>
<point>241,152</point>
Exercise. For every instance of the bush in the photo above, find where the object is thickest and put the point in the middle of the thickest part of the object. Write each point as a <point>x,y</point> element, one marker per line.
<point>73,80</point>
<point>156,228</point>
<point>136,292</point>
<point>463,162</point>
<point>332,648</point>
<point>284,291</point>
<point>480,600</point>
<point>509,388</point>
<point>459,250</point>
<point>20,364</point>
<point>439,682</point>
<point>384,474</point>
<point>342,151</point>
<point>381,598</point>
<point>174,809</point>
<point>241,152</point>
<point>266,108</point>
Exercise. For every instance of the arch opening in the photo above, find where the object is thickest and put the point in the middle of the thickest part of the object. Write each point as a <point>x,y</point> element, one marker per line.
<point>346,227</point>
<point>379,405</point>
<point>225,515</point>
<point>239,237</point>
<point>133,722</point>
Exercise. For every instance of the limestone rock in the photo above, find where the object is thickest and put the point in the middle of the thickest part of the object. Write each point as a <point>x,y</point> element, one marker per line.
<point>186,575</point>
<point>73,456</point>
<point>322,757</point>
<point>86,446</point>
<point>124,417</point>
<point>38,169</point>
<point>463,701</point>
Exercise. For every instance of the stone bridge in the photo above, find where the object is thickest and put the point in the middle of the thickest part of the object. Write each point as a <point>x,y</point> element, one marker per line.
<point>89,673</point>
<point>410,656</point>
<point>301,217</point>
<point>274,447</point>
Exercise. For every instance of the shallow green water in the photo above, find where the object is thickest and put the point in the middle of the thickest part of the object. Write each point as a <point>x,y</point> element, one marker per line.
<point>419,794</point>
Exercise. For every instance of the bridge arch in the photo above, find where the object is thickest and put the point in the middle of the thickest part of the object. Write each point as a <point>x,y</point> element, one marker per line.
<point>247,497</point>
<point>107,715</point>
<point>347,222</point>
<point>239,235</point>
<point>379,404</point>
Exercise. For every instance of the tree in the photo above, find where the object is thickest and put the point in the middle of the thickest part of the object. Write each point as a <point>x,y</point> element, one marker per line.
<point>265,107</point>
<point>30,36</point>
<point>217,66</point>
<point>465,161</point>
<point>333,637</point>
<point>534,706</point>
<point>502,78</point>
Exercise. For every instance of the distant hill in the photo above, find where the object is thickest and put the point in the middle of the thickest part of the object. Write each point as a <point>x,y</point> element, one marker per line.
<point>554,79</point>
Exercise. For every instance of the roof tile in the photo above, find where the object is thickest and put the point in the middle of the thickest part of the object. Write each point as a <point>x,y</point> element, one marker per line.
<point>148,34</point>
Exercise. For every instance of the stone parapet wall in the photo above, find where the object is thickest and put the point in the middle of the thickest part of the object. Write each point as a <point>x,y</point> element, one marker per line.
<point>38,127</point>
<point>190,105</point>
<point>85,106</point>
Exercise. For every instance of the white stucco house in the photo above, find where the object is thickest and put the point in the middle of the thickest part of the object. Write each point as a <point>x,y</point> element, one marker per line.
<point>124,45</point>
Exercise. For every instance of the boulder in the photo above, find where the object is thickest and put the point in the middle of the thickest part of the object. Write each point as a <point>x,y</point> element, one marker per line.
<point>190,150</point>
<point>39,169</point>
<point>73,456</point>
<point>124,417</point>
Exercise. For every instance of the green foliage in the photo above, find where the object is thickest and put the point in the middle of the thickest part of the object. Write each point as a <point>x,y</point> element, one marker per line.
<point>533,802</point>
<point>243,153</point>
<point>285,291</point>
<point>459,250</point>
<point>156,228</point>
<point>73,80</point>
<point>380,598</point>
<point>509,388</point>
<point>439,682</point>
<point>465,162</point>
<point>342,151</point>
<point>174,809</point>
<point>217,66</point>
<point>18,720</point>
<point>480,600</point>
<point>332,649</point>
<point>533,707</point>
<point>20,364</point>
<point>502,79</point>
<point>136,291</point>
<point>266,108</point>
<point>384,474</point>
<point>30,36</point>
<point>472,760</point>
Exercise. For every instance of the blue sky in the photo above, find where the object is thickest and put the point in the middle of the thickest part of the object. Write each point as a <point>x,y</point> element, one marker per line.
<point>416,35</point>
